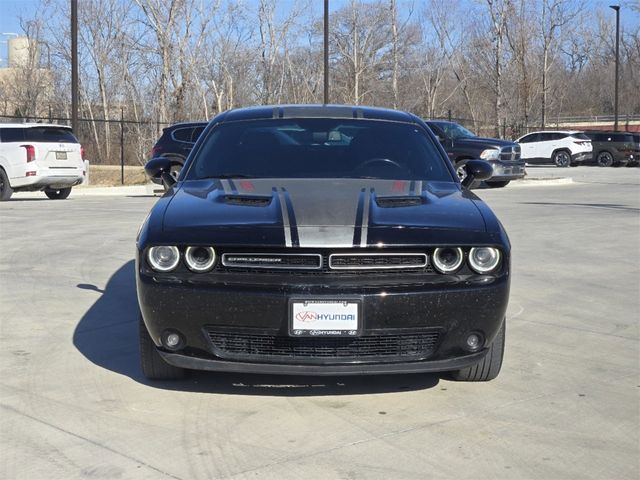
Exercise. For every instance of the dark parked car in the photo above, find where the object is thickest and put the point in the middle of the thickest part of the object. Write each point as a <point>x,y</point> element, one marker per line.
<point>636,153</point>
<point>612,148</point>
<point>462,145</point>
<point>176,143</point>
<point>321,240</point>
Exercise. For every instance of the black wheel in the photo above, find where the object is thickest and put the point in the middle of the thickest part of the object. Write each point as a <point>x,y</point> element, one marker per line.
<point>489,367</point>
<point>504,183</point>
<point>5,187</point>
<point>604,159</point>
<point>561,159</point>
<point>58,194</point>
<point>153,366</point>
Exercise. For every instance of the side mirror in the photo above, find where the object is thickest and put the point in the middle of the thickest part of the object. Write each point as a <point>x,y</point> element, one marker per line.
<point>476,170</point>
<point>160,169</point>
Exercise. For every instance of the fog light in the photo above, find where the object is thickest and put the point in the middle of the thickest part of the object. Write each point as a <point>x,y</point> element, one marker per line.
<point>172,340</point>
<point>474,342</point>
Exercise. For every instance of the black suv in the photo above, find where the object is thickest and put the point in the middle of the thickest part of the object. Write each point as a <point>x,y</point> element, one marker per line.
<point>177,141</point>
<point>462,145</point>
<point>612,148</point>
<point>636,153</point>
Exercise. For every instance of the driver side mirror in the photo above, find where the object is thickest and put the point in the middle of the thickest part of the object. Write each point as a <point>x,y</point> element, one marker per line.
<point>476,170</point>
<point>160,169</point>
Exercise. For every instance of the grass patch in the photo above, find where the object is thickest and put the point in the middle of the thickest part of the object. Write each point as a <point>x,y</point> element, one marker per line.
<point>110,175</point>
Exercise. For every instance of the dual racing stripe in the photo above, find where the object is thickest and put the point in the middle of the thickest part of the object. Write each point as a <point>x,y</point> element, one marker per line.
<point>291,238</point>
<point>361,227</point>
<point>228,186</point>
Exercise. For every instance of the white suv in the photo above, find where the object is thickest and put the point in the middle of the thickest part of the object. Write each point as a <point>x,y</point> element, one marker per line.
<point>562,148</point>
<point>37,156</point>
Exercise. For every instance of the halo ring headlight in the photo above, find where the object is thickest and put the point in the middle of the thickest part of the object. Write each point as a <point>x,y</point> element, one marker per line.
<point>484,259</point>
<point>447,259</point>
<point>163,258</point>
<point>200,259</point>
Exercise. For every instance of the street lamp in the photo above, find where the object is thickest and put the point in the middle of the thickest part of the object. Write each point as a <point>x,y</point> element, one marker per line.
<point>615,108</point>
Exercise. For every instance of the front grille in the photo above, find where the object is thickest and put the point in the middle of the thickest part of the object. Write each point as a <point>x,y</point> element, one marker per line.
<point>323,262</point>
<point>372,261</point>
<point>510,153</point>
<point>247,346</point>
<point>272,260</point>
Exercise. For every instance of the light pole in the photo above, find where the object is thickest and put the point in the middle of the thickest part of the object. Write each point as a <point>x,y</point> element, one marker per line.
<point>326,52</point>
<point>74,66</point>
<point>615,107</point>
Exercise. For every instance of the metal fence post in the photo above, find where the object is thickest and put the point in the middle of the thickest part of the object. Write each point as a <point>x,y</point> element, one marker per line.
<point>122,145</point>
<point>449,114</point>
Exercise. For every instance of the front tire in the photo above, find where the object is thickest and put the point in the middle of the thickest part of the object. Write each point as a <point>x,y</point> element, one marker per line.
<point>605,159</point>
<point>562,159</point>
<point>489,367</point>
<point>153,366</point>
<point>5,187</point>
<point>501,184</point>
<point>58,194</point>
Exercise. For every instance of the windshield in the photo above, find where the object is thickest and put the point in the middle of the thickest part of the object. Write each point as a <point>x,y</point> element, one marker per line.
<point>318,148</point>
<point>455,131</point>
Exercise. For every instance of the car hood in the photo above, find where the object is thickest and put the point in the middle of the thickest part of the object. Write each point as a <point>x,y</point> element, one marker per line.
<point>320,212</point>
<point>484,142</point>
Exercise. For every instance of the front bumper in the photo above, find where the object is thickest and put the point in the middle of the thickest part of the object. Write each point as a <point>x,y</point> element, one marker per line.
<point>508,170</point>
<point>217,365</point>
<point>451,307</point>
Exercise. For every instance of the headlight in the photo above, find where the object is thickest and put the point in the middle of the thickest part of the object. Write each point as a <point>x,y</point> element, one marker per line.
<point>447,259</point>
<point>484,259</point>
<point>200,259</point>
<point>163,258</point>
<point>490,154</point>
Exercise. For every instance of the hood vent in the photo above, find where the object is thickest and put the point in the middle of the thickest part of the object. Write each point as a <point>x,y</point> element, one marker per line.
<point>395,202</point>
<point>247,200</point>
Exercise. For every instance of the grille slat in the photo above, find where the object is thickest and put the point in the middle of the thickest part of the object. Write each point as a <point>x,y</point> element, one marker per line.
<point>249,346</point>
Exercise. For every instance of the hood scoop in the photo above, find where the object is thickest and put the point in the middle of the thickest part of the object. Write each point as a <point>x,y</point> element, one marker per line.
<point>248,200</point>
<point>395,202</point>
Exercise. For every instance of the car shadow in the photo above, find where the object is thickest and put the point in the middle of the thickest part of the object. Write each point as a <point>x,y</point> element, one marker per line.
<point>107,335</point>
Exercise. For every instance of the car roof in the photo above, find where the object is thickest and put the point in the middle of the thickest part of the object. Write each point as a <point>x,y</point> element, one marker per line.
<point>316,111</point>
<point>570,132</point>
<point>199,123</point>
<point>611,132</point>
<point>32,125</point>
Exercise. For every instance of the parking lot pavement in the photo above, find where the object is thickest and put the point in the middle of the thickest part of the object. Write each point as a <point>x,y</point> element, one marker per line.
<point>73,403</point>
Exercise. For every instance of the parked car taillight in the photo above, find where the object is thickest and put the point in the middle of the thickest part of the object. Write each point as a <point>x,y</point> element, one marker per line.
<point>582,142</point>
<point>155,151</point>
<point>31,152</point>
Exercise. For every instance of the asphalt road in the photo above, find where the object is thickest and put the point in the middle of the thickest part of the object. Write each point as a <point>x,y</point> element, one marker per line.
<point>73,403</point>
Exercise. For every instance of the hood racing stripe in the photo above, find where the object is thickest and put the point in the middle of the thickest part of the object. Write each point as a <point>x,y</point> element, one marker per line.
<point>228,186</point>
<point>295,239</point>
<point>365,218</point>
<point>357,231</point>
<point>285,219</point>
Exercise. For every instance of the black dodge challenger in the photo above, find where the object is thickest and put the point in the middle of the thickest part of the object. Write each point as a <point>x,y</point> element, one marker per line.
<point>321,240</point>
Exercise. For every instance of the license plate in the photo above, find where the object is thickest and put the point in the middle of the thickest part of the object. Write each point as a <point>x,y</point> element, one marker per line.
<point>61,155</point>
<point>324,318</point>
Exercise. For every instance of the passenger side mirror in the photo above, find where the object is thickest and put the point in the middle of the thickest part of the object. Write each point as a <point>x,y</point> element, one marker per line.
<point>160,168</point>
<point>476,170</point>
